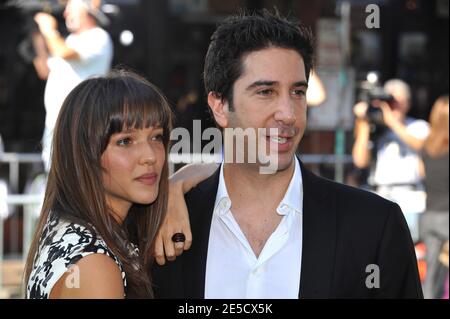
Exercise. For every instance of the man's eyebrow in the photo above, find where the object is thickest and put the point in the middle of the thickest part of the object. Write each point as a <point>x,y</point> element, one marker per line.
<point>301,83</point>
<point>261,83</point>
<point>272,83</point>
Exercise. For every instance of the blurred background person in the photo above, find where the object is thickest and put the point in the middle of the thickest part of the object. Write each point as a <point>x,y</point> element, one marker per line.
<point>393,154</point>
<point>434,231</point>
<point>86,52</point>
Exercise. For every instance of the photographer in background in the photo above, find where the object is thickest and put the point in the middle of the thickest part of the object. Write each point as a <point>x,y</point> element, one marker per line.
<point>397,171</point>
<point>86,52</point>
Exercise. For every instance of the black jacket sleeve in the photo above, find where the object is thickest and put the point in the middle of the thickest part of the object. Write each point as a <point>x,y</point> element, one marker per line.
<point>399,276</point>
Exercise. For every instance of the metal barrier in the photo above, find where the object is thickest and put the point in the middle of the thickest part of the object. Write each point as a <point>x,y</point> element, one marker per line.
<point>15,160</point>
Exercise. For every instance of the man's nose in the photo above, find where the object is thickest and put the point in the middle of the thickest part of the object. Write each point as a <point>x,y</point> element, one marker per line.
<point>285,112</point>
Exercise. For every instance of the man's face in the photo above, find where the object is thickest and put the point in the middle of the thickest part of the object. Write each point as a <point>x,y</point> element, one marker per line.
<point>400,104</point>
<point>76,15</point>
<point>271,93</point>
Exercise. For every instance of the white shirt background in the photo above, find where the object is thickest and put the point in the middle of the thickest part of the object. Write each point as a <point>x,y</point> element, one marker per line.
<point>95,49</point>
<point>232,269</point>
<point>396,162</point>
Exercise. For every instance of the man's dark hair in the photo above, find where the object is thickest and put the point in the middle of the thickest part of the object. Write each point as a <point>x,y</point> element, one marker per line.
<point>245,33</point>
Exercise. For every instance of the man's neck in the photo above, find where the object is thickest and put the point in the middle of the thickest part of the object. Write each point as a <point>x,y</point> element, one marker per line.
<point>85,27</point>
<point>254,200</point>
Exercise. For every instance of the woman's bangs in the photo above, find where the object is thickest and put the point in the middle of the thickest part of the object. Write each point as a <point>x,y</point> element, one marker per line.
<point>144,114</point>
<point>138,113</point>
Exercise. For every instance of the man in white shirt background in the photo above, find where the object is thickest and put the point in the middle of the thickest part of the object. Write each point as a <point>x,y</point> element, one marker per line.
<point>86,52</point>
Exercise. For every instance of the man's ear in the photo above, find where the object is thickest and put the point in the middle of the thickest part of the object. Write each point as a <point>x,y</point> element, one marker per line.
<point>219,108</point>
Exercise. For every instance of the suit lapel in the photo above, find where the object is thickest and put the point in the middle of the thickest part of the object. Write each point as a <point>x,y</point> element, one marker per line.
<point>319,237</point>
<point>201,207</point>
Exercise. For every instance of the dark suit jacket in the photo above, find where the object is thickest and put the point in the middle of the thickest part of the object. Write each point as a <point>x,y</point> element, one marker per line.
<point>344,230</point>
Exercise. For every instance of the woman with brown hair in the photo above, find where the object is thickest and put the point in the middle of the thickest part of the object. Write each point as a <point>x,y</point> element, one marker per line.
<point>433,225</point>
<point>107,192</point>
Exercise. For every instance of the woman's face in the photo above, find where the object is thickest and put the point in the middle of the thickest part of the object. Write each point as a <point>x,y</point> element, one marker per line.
<point>132,165</point>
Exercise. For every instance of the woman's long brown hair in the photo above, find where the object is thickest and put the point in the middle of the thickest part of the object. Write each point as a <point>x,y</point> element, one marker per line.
<point>438,140</point>
<point>92,112</point>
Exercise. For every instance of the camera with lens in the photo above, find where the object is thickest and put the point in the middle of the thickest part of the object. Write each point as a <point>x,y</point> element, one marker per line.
<point>23,12</point>
<point>372,92</point>
<point>374,113</point>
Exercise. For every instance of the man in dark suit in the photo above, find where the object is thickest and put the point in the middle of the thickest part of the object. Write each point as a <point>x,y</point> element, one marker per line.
<point>289,233</point>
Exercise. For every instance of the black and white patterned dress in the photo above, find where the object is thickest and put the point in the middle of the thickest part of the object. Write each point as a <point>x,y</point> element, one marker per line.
<point>62,244</point>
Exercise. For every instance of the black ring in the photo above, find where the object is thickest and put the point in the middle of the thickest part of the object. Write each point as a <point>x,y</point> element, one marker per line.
<point>178,238</point>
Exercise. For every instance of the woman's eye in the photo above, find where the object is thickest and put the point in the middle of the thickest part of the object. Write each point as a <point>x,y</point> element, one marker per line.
<point>124,141</point>
<point>158,138</point>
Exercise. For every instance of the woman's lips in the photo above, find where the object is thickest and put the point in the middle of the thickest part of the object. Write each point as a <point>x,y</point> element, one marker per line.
<point>148,179</point>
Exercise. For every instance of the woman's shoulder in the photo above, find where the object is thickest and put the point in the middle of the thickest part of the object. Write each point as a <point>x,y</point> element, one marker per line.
<point>63,243</point>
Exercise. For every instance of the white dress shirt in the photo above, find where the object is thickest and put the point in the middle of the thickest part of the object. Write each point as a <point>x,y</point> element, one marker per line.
<point>232,268</point>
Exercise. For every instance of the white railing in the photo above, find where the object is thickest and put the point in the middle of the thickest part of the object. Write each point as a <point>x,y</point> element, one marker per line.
<point>14,160</point>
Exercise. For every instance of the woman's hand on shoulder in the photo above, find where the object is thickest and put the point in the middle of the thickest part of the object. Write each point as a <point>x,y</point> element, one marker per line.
<point>177,215</point>
<point>175,221</point>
